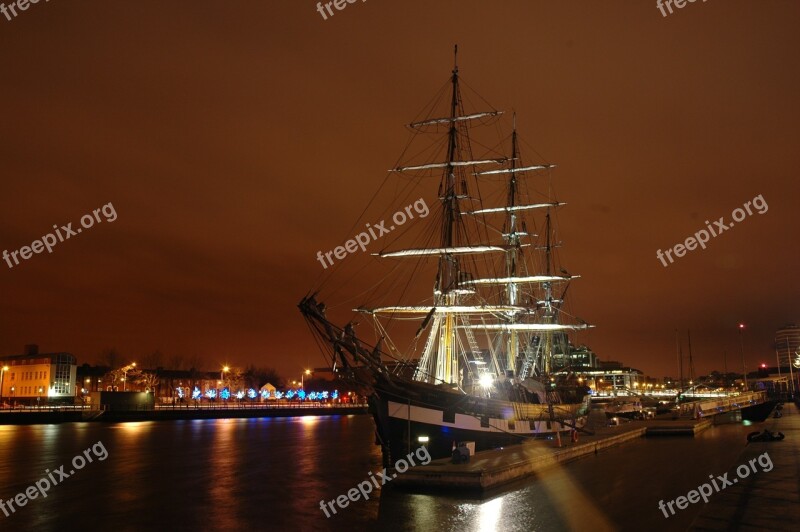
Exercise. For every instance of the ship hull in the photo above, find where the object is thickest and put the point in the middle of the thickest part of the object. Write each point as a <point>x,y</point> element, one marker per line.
<point>440,420</point>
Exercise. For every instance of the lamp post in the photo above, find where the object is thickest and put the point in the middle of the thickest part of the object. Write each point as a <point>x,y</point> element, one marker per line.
<point>744,366</point>
<point>2,375</point>
<point>302,376</point>
<point>125,371</point>
<point>223,371</point>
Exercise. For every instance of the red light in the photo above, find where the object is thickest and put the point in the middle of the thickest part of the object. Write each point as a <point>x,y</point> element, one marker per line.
<point>763,365</point>
<point>741,325</point>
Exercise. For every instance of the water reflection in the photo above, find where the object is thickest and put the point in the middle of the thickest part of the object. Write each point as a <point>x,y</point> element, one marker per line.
<point>223,472</point>
<point>243,473</point>
<point>490,514</point>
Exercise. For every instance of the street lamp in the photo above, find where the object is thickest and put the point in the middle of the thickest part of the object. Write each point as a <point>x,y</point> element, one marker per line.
<point>223,371</point>
<point>302,376</point>
<point>744,366</point>
<point>125,371</point>
<point>2,375</point>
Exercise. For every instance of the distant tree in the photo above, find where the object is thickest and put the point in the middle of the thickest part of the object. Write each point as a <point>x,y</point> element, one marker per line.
<point>258,377</point>
<point>234,379</point>
<point>109,357</point>
<point>119,375</point>
<point>146,379</point>
<point>195,362</point>
<point>153,360</point>
<point>175,362</point>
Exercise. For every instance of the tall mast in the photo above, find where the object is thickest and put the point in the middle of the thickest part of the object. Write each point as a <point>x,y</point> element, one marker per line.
<point>548,297</point>
<point>725,363</point>
<point>513,242</point>
<point>449,264</point>
<point>679,352</point>
<point>691,362</point>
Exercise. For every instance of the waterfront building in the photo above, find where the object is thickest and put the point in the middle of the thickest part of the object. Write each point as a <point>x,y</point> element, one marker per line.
<point>34,377</point>
<point>575,357</point>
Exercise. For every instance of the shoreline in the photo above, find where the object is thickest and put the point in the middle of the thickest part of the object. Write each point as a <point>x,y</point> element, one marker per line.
<point>55,416</point>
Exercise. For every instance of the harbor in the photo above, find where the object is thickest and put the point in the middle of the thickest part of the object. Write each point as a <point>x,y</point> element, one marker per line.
<point>412,266</point>
<point>490,470</point>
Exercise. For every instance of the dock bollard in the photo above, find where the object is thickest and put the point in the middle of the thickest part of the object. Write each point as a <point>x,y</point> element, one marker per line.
<point>558,438</point>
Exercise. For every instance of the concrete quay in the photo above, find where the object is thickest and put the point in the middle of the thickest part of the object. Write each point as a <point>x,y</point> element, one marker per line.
<point>491,469</point>
<point>54,415</point>
<point>769,500</point>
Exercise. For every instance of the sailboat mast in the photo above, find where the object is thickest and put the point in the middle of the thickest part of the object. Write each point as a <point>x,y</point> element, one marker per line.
<point>680,363</point>
<point>691,362</point>
<point>725,363</point>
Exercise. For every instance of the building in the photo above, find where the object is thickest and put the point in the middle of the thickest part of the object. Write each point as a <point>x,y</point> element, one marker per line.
<point>580,357</point>
<point>787,342</point>
<point>33,377</point>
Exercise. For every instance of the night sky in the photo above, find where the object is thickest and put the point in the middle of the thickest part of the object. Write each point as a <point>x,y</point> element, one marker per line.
<point>236,139</point>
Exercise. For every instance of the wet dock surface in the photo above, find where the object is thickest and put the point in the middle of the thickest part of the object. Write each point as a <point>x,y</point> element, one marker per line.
<point>489,470</point>
<point>765,500</point>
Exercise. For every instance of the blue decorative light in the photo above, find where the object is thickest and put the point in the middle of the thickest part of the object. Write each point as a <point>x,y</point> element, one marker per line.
<point>301,394</point>
<point>251,393</point>
<point>312,396</point>
<point>211,394</point>
<point>225,394</point>
<point>324,395</point>
<point>290,394</point>
<point>240,394</point>
<point>278,395</point>
<point>180,392</point>
<point>196,393</point>
<point>335,394</point>
<point>265,394</point>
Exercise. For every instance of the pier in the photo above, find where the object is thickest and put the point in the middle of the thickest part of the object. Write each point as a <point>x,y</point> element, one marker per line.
<point>488,470</point>
<point>770,501</point>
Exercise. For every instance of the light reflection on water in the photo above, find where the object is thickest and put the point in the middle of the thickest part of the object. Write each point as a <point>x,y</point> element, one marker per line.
<point>252,473</point>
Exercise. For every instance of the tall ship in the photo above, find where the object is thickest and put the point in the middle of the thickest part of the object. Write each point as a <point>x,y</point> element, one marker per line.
<point>469,336</point>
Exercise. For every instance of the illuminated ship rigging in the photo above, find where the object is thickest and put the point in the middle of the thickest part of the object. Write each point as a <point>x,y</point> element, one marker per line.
<point>480,365</point>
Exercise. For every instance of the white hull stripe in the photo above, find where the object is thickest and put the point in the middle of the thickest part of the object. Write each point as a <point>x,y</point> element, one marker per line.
<point>432,416</point>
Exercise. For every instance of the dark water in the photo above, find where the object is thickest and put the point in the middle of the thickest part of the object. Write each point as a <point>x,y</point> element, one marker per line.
<point>270,474</point>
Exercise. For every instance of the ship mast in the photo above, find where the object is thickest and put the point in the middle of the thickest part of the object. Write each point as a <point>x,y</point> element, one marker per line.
<point>548,299</point>
<point>447,277</point>
<point>512,239</point>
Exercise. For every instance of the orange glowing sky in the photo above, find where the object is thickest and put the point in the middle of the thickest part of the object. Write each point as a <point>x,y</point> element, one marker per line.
<point>236,139</point>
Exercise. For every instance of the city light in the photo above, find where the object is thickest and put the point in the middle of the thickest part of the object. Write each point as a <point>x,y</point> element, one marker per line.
<point>2,375</point>
<point>486,380</point>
